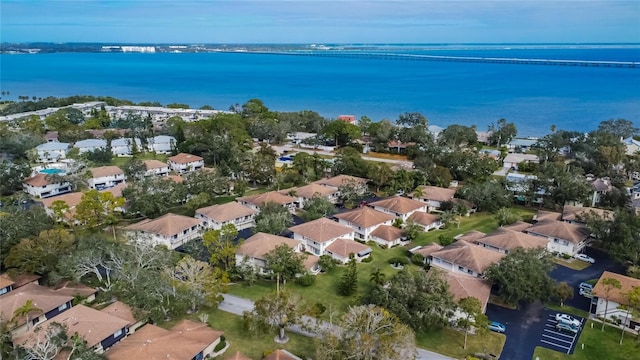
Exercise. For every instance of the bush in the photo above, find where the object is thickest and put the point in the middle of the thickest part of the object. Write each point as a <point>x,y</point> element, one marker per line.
<point>445,240</point>
<point>398,260</point>
<point>306,280</point>
<point>220,345</point>
<point>566,256</point>
<point>321,308</point>
<point>368,259</point>
<point>417,259</point>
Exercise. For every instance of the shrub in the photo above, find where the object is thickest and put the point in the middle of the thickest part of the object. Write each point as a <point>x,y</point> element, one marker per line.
<point>398,260</point>
<point>321,308</point>
<point>306,280</point>
<point>220,345</point>
<point>417,259</point>
<point>445,240</point>
<point>368,259</point>
<point>566,256</point>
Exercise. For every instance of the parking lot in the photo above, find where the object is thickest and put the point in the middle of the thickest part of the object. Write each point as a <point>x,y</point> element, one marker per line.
<point>562,341</point>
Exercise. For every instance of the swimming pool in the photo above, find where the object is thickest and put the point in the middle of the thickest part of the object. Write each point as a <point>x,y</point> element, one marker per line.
<point>51,171</point>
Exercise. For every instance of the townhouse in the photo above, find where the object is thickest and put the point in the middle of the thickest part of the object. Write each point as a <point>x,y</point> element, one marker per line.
<point>185,163</point>
<point>425,220</point>
<point>124,147</point>
<point>104,177</point>
<point>216,216</point>
<point>505,240</point>
<point>253,251</point>
<point>360,184</point>
<point>257,201</point>
<point>90,145</point>
<point>161,144</point>
<point>71,200</point>
<point>388,236</point>
<point>316,235</point>
<point>617,308</point>
<point>170,230</point>
<point>562,237</point>
<point>433,196</point>
<point>156,168</point>
<point>39,186</point>
<point>466,258</point>
<point>307,192</point>
<point>364,221</point>
<point>399,206</point>
<point>51,152</point>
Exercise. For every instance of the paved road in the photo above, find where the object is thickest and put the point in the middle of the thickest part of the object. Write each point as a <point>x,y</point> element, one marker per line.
<point>237,305</point>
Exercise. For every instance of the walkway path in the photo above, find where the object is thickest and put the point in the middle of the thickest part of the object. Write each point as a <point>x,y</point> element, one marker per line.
<point>237,305</point>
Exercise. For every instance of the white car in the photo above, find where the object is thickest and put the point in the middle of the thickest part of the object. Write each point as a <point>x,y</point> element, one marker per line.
<point>585,257</point>
<point>567,319</point>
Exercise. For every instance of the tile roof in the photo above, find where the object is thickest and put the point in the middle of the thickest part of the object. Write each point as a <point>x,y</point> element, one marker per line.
<point>67,288</point>
<point>226,212</point>
<point>346,247</point>
<point>340,180</point>
<point>510,239</point>
<point>560,230</point>
<point>37,181</point>
<point>281,354</point>
<point>271,196</point>
<point>313,189</point>
<point>43,298</point>
<point>579,213</point>
<point>435,193</point>
<point>387,232</point>
<point>91,143</point>
<point>399,204</point>
<point>470,256</point>
<point>155,343</point>
<point>365,217</point>
<point>155,164</point>
<point>184,158</point>
<point>53,146</point>
<point>518,226</point>
<point>175,178</point>
<point>74,198</point>
<point>427,250</point>
<point>310,261</point>
<point>542,215</point>
<point>463,286</point>
<point>258,245</point>
<point>618,295</point>
<point>197,331</point>
<point>238,356</point>
<point>93,325</point>
<point>19,280</point>
<point>168,225</point>
<point>471,236</point>
<point>106,171</point>
<point>321,230</point>
<point>5,281</point>
<point>423,218</point>
<point>120,310</point>
<point>601,185</point>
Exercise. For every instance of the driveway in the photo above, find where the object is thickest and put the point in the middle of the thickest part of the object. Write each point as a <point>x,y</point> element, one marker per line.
<point>526,324</point>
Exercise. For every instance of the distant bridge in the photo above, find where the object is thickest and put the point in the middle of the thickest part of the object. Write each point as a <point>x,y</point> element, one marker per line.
<point>420,57</point>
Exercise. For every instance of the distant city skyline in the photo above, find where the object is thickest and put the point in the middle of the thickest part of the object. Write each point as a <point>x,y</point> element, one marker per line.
<point>310,21</point>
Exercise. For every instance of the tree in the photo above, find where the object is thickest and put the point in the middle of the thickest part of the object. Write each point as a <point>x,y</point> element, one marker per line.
<point>40,254</point>
<point>318,207</point>
<point>196,278</point>
<point>98,209</point>
<point>341,132</point>
<point>472,316</point>
<point>273,219</point>
<point>380,174</point>
<point>11,176</point>
<point>276,311</point>
<point>349,282</point>
<point>260,166</point>
<point>153,196</point>
<point>25,312</point>
<point>220,244</point>
<point>487,196</point>
<point>620,128</point>
<point>92,257</point>
<point>209,182</point>
<point>349,162</point>
<point>377,277</point>
<point>505,216</point>
<point>633,303</point>
<point>523,275</point>
<point>350,192</point>
<point>326,263</point>
<point>455,136</point>
<point>17,224</point>
<point>100,156</point>
<point>285,263</point>
<point>608,285</point>
<point>501,133</point>
<point>620,236</point>
<point>134,169</point>
<point>367,332</point>
<point>564,291</point>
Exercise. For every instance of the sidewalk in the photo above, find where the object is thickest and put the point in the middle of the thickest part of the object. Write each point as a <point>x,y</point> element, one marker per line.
<point>237,305</point>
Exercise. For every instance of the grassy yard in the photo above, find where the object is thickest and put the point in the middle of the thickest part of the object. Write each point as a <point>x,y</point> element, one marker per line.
<point>598,345</point>
<point>386,156</point>
<point>120,161</point>
<point>450,342</point>
<point>571,263</point>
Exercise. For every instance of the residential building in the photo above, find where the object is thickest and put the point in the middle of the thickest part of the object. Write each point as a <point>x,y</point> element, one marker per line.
<point>72,200</point>
<point>521,145</point>
<point>399,206</point>
<point>600,187</point>
<point>562,237</point>
<point>341,180</point>
<point>506,240</point>
<point>470,236</point>
<point>425,220</point>
<point>463,286</point>
<point>162,144</point>
<point>170,230</point>
<point>104,177</point>
<point>343,249</point>
<point>48,302</point>
<point>518,226</point>
<point>40,187</point>
<point>632,145</point>
<point>298,137</point>
<point>98,328</point>
<point>6,284</point>
<point>388,236</point>
<point>351,119</point>
<point>433,196</point>
<point>216,216</point>
<point>512,160</point>
<point>363,221</point>
<point>124,312</point>
<point>90,145</point>
<point>254,249</point>
<point>307,192</point>
<point>187,340</point>
<point>156,168</point>
<point>184,163</point>
<point>316,235</point>
<point>51,136</point>
<point>466,258</point>
<point>259,200</point>
<point>578,215</point>
<point>426,251</point>
<point>51,152</point>
<point>617,307</point>
<point>124,147</point>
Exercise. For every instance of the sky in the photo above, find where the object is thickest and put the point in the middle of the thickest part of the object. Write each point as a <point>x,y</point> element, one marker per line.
<point>328,21</point>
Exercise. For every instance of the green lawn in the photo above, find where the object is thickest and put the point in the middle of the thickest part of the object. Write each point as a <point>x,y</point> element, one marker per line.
<point>482,221</point>
<point>571,263</point>
<point>450,342</point>
<point>120,161</point>
<point>598,345</point>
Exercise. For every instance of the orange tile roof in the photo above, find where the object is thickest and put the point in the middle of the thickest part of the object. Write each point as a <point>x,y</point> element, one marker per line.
<point>340,180</point>
<point>579,213</point>
<point>518,226</point>
<point>197,331</point>
<point>427,250</point>
<point>435,193</point>
<point>5,281</point>
<point>311,190</point>
<point>510,239</point>
<point>120,310</point>
<point>106,171</point>
<point>168,225</point>
<point>271,196</point>
<point>560,230</point>
<point>618,295</point>
<point>43,298</point>
<point>463,286</point>
<point>387,232</point>
<point>471,236</point>
<point>281,354</point>
<point>37,181</point>
<point>155,164</point>
<point>399,204</point>
<point>225,212</point>
<point>346,247</point>
<point>20,279</point>
<point>365,217</point>
<point>470,256</point>
<point>93,325</point>
<point>258,245</point>
<point>321,230</point>
<point>184,158</point>
<point>423,218</point>
<point>542,215</point>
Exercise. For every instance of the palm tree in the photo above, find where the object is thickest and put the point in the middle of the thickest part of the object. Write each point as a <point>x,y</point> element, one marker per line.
<point>377,277</point>
<point>25,310</point>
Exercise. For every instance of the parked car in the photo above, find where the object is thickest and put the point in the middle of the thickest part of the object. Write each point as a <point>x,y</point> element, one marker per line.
<point>497,327</point>
<point>586,286</point>
<point>586,293</point>
<point>567,327</point>
<point>567,319</point>
<point>586,258</point>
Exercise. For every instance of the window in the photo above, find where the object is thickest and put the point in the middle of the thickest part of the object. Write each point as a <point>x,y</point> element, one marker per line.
<point>4,290</point>
<point>117,333</point>
<point>62,307</point>
<point>460,268</point>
